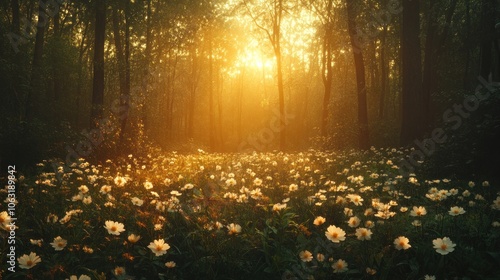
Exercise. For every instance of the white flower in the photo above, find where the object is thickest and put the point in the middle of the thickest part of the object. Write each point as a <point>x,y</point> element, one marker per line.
<point>443,246</point>
<point>28,261</point>
<point>455,211</point>
<point>137,201</point>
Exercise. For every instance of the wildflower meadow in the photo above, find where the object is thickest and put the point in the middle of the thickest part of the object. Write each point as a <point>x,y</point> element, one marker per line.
<point>308,215</point>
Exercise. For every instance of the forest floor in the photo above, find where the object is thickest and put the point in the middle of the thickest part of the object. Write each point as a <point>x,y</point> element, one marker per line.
<point>309,215</point>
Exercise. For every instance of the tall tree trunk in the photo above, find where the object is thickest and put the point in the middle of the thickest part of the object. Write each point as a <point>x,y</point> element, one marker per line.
<point>433,50</point>
<point>276,40</point>
<point>327,68</point>
<point>364,141</point>
<point>383,70</point>
<point>57,62</point>
<point>36,96</point>
<point>98,81</point>
<point>125,97</point>
<point>16,25</point>
<point>147,62</point>
<point>467,45</point>
<point>487,26</point>
<point>411,126</point>
<point>211,116</point>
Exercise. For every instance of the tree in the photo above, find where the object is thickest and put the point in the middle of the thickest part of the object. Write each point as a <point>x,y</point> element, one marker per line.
<point>98,81</point>
<point>411,125</point>
<point>325,12</point>
<point>36,71</point>
<point>123,57</point>
<point>270,23</point>
<point>434,47</point>
<point>364,140</point>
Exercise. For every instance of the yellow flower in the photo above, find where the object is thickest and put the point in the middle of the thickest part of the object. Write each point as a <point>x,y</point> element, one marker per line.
<point>137,201</point>
<point>319,221</point>
<point>170,264</point>
<point>114,228</point>
<point>418,211</point>
<point>132,238</point>
<point>28,261</point>
<point>363,234</point>
<point>402,243</point>
<point>119,271</point>
<point>339,266</point>
<point>354,222</point>
<point>148,185</point>
<point>335,234</point>
<point>159,247</point>
<point>306,256</point>
<point>120,181</point>
<point>59,243</point>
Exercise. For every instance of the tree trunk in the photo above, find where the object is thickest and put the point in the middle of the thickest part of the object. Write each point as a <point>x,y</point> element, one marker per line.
<point>411,126</point>
<point>125,97</point>
<point>16,25</point>
<point>433,50</point>
<point>147,62</point>
<point>488,30</point>
<point>383,70</point>
<point>364,141</point>
<point>36,96</point>
<point>98,81</point>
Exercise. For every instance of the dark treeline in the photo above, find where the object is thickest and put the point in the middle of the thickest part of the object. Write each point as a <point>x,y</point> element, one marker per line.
<point>238,75</point>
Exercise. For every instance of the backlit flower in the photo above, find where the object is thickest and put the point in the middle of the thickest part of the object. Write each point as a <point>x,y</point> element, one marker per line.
<point>402,243</point>
<point>148,185</point>
<point>120,181</point>
<point>443,246</point>
<point>114,228</point>
<point>335,234</point>
<point>233,229</point>
<point>159,247</point>
<point>170,264</point>
<point>137,201</point>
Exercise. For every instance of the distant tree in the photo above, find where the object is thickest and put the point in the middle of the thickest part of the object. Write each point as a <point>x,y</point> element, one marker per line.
<point>36,71</point>
<point>411,125</point>
<point>364,140</point>
<point>269,21</point>
<point>98,81</point>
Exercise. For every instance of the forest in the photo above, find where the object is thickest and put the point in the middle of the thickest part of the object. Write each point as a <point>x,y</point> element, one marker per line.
<point>244,139</point>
